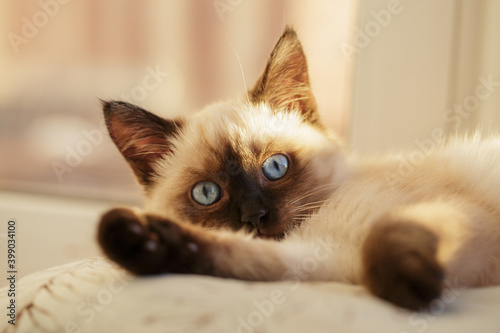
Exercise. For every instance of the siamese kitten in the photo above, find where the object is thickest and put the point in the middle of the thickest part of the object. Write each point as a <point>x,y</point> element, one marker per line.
<point>258,189</point>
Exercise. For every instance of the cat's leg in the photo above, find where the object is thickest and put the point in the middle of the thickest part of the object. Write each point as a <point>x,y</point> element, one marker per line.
<point>410,252</point>
<point>146,244</point>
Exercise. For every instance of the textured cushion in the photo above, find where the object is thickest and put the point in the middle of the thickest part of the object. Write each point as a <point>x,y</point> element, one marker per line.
<point>93,295</point>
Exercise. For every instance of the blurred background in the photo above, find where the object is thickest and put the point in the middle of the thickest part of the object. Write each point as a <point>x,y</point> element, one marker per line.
<point>387,74</point>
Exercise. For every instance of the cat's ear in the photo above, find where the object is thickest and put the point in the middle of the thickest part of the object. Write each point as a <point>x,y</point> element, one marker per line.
<point>285,81</point>
<point>142,137</point>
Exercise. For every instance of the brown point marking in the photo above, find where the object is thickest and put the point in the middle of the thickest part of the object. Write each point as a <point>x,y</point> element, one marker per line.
<point>400,264</point>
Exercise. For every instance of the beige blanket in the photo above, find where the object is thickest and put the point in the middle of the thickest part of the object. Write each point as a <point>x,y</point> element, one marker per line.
<point>95,296</point>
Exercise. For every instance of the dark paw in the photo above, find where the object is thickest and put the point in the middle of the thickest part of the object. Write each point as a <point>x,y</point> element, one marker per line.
<point>151,246</point>
<point>400,265</point>
<point>130,243</point>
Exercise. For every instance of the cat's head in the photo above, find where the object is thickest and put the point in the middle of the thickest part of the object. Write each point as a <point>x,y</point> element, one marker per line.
<point>260,163</point>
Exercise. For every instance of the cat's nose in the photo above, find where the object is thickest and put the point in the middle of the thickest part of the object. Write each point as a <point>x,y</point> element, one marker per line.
<point>254,218</point>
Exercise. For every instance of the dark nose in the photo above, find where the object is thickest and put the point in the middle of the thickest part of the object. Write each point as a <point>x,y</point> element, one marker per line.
<point>253,214</point>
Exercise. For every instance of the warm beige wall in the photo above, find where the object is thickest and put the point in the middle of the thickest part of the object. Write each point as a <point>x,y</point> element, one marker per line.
<point>402,79</point>
<point>490,117</point>
<point>420,73</point>
<point>103,48</point>
<point>323,26</point>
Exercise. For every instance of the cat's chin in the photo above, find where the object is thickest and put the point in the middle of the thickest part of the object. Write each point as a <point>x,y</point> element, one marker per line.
<point>273,236</point>
<point>276,235</point>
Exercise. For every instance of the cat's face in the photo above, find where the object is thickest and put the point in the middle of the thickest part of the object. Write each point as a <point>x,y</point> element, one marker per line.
<point>261,164</point>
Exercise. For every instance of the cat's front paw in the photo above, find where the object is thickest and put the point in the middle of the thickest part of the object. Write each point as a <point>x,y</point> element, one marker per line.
<point>126,238</point>
<point>145,244</point>
<point>400,264</point>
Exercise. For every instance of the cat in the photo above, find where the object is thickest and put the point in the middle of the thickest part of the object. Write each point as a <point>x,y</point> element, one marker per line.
<point>259,189</point>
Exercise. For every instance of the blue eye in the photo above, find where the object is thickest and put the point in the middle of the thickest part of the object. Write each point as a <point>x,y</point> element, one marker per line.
<point>206,193</point>
<point>275,167</point>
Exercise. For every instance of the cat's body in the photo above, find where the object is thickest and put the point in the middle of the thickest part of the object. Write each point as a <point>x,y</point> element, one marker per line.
<point>315,211</point>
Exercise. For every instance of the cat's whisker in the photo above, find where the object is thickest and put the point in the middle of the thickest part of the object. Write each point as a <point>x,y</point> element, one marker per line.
<point>163,93</point>
<point>311,193</point>
<point>306,209</point>
<point>241,68</point>
<point>309,206</point>
<point>313,203</point>
<point>185,137</point>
